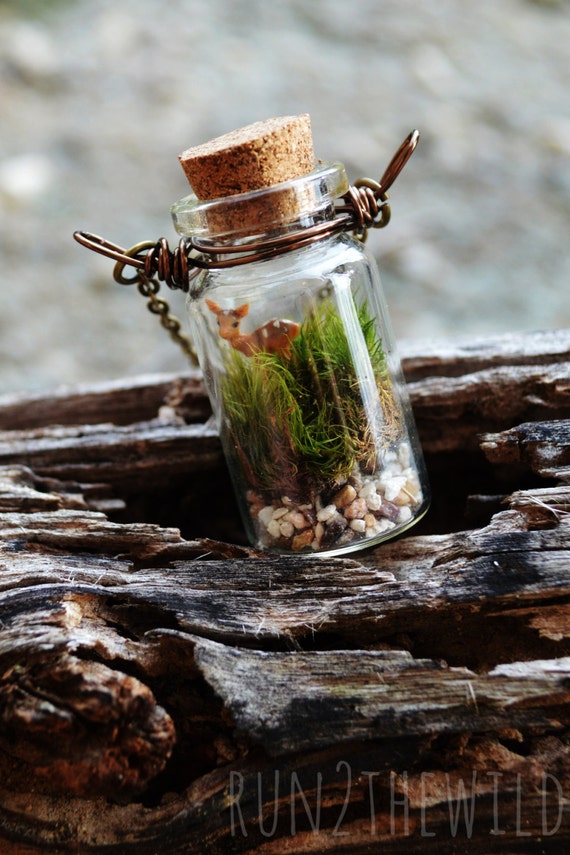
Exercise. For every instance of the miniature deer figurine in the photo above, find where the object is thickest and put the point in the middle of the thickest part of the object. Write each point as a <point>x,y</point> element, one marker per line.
<point>275,336</point>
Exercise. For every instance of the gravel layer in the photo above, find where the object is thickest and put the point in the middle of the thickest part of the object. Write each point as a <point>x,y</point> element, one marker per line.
<point>99,97</point>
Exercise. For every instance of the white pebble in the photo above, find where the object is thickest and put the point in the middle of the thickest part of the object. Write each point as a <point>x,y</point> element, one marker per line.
<point>274,529</point>
<point>298,519</point>
<point>279,512</point>
<point>358,525</point>
<point>287,529</point>
<point>374,501</point>
<point>404,514</point>
<point>327,513</point>
<point>266,515</point>
<point>389,472</point>
<point>393,487</point>
<point>368,489</point>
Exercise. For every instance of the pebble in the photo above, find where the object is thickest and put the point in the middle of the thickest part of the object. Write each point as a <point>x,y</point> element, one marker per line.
<point>303,540</point>
<point>374,501</point>
<point>393,487</point>
<point>345,496</point>
<point>388,510</point>
<point>298,520</point>
<point>327,513</point>
<point>274,529</point>
<point>287,529</point>
<point>356,509</point>
<point>265,515</point>
<point>366,508</point>
<point>333,530</point>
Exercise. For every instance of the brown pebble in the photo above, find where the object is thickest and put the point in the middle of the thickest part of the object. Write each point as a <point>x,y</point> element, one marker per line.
<point>344,497</point>
<point>302,540</point>
<point>357,510</point>
<point>388,510</point>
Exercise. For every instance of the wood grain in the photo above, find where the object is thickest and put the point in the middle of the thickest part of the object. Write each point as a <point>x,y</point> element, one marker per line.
<point>166,688</point>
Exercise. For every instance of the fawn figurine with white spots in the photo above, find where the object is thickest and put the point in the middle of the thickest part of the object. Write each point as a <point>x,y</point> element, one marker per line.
<point>275,336</point>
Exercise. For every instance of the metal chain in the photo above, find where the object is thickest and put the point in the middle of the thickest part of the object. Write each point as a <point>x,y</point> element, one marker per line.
<point>149,288</point>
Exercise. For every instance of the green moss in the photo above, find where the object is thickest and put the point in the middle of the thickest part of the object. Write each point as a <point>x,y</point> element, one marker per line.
<point>296,423</point>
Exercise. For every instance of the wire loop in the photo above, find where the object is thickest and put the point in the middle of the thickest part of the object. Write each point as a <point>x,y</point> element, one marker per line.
<point>131,257</point>
<point>364,206</point>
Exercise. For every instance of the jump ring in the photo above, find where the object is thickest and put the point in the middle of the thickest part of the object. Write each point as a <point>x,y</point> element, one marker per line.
<point>133,252</point>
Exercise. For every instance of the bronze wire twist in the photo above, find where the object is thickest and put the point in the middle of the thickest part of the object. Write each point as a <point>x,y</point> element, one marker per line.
<point>365,206</point>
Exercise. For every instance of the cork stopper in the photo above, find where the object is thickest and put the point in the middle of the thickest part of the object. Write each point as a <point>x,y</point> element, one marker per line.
<point>253,158</point>
<point>257,156</point>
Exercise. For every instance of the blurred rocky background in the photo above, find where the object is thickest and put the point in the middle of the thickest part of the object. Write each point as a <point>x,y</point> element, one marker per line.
<point>98,97</point>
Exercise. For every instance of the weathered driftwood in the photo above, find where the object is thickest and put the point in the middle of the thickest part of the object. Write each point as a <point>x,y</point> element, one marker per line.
<point>165,688</point>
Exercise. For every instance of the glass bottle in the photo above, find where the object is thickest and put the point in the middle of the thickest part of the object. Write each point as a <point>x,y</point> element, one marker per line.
<point>299,363</point>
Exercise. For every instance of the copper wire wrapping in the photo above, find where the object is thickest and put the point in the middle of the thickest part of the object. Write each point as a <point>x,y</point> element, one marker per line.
<point>364,206</point>
<point>361,211</point>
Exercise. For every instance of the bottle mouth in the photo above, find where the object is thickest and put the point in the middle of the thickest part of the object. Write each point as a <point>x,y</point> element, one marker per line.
<point>253,213</point>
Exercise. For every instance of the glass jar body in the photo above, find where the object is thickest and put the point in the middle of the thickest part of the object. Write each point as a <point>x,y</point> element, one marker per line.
<point>309,398</point>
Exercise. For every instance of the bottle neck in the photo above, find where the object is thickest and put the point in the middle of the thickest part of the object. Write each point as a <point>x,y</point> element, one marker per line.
<point>266,215</point>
